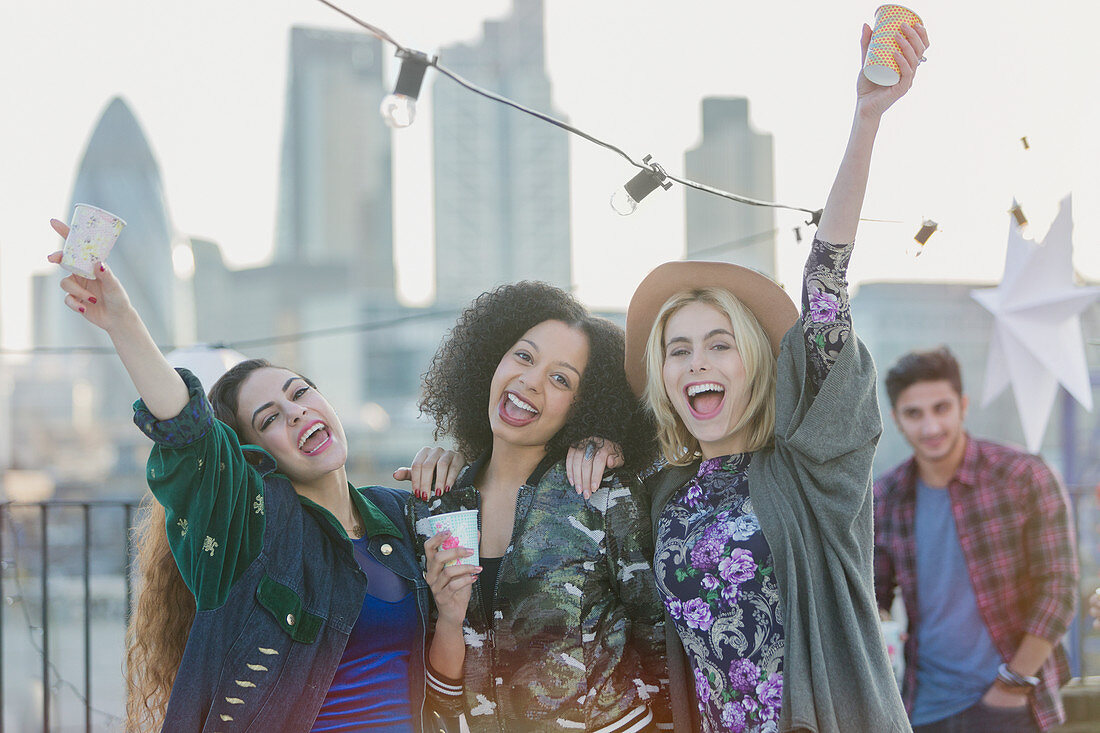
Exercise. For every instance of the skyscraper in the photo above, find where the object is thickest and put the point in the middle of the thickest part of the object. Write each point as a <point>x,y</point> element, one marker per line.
<point>335,194</point>
<point>734,157</point>
<point>119,173</point>
<point>501,177</point>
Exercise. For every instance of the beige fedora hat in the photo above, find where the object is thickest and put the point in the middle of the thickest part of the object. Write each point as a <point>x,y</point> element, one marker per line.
<point>771,305</point>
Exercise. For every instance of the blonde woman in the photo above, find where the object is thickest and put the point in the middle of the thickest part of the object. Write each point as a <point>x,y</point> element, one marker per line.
<point>762,516</point>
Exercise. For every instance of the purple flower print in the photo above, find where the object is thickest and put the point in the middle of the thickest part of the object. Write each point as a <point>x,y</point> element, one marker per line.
<point>674,607</point>
<point>710,582</point>
<point>738,567</point>
<point>769,726</point>
<point>705,554</point>
<point>693,496</point>
<point>823,306</point>
<point>744,675</point>
<point>702,689</point>
<point>733,717</point>
<point>697,614</point>
<point>770,693</point>
<point>750,706</point>
<point>730,594</point>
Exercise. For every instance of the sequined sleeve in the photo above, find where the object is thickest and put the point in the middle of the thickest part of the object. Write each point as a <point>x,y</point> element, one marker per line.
<point>826,316</point>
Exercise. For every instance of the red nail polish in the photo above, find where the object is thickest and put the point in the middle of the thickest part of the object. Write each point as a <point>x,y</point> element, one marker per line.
<point>81,309</point>
<point>102,267</point>
<point>92,300</point>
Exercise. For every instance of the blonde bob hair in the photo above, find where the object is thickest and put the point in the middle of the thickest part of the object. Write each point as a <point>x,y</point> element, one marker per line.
<point>678,446</point>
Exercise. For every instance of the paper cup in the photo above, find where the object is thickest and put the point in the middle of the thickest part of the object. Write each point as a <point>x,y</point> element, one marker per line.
<point>895,649</point>
<point>92,234</point>
<point>463,526</point>
<point>880,65</point>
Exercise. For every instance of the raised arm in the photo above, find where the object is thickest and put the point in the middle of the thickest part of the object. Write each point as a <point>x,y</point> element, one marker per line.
<point>841,215</point>
<point>103,302</point>
<point>826,318</point>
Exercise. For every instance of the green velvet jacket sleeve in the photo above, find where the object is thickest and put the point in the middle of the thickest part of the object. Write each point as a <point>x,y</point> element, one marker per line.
<point>212,497</point>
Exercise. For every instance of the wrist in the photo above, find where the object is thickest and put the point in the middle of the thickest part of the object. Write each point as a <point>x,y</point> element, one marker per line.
<point>1012,681</point>
<point>867,117</point>
<point>447,625</point>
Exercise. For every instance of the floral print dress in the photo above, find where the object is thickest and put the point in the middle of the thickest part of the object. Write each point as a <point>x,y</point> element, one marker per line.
<point>713,564</point>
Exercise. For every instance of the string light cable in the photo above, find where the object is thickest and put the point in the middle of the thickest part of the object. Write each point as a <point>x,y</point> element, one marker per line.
<point>254,342</point>
<point>652,174</point>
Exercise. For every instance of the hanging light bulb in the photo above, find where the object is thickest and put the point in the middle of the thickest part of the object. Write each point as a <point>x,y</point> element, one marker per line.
<point>399,109</point>
<point>927,229</point>
<point>625,200</point>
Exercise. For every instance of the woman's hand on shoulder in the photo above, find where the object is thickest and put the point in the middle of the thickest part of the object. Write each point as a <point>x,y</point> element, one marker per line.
<point>451,584</point>
<point>872,99</point>
<point>103,301</point>
<point>434,470</point>
<point>587,461</point>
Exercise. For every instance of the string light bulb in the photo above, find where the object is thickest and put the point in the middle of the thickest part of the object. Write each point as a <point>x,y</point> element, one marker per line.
<point>625,199</point>
<point>399,109</point>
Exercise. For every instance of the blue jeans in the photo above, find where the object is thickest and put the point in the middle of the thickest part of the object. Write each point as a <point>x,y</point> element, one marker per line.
<point>982,718</point>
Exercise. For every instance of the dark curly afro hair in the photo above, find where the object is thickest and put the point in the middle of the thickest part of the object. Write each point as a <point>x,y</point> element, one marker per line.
<point>456,386</point>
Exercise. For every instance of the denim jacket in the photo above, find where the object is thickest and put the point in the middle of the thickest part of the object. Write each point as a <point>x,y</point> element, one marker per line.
<point>264,647</point>
<point>265,659</point>
<point>575,640</point>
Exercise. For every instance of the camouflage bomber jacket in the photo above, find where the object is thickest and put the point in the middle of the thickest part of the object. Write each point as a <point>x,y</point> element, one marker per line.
<point>576,640</point>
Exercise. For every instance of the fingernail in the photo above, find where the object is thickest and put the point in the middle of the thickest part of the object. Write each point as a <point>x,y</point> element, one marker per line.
<point>92,300</point>
<point>447,487</point>
<point>102,267</point>
<point>81,309</point>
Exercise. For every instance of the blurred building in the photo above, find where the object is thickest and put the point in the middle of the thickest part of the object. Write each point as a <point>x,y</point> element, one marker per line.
<point>734,157</point>
<point>501,177</point>
<point>74,409</point>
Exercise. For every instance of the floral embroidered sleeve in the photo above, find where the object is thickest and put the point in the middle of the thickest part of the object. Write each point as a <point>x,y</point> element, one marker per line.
<point>826,317</point>
<point>212,497</point>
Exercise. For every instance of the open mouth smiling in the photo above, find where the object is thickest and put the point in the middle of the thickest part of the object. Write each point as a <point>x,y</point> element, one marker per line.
<point>705,399</point>
<point>314,438</point>
<point>516,411</point>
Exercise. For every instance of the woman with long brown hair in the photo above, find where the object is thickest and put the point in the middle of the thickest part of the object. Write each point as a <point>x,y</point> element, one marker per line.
<point>274,595</point>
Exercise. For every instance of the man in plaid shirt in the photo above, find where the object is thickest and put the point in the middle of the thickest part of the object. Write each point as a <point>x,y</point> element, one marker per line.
<point>978,537</point>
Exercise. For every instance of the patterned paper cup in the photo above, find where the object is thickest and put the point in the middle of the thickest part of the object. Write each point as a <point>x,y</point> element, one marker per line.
<point>880,65</point>
<point>463,526</point>
<point>92,234</point>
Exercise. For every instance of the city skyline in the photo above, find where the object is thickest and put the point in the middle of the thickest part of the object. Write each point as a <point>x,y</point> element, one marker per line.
<point>932,160</point>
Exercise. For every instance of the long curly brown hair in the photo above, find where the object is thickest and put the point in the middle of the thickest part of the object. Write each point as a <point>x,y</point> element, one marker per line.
<point>159,623</point>
<point>165,608</point>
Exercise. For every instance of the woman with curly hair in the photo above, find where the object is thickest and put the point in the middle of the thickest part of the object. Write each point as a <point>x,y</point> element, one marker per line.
<point>274,595</point>
<point>563,629</point>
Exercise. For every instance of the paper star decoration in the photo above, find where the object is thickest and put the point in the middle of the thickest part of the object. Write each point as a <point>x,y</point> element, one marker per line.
<point>1037,342</point>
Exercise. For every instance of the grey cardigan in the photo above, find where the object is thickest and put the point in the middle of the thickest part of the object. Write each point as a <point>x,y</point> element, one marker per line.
<point>812,494</point>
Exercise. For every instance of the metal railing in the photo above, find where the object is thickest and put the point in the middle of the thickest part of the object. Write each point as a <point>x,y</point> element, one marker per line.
<point>88,541</point>
<point>56,528</point>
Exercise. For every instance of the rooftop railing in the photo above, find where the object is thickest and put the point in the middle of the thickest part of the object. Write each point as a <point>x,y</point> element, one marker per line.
<point>65,586</point>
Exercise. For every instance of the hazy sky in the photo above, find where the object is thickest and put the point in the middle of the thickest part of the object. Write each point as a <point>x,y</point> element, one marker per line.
<point>206,80</point>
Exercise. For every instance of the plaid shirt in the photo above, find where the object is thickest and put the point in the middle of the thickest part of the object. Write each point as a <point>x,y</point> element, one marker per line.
<point>1013,519</point>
